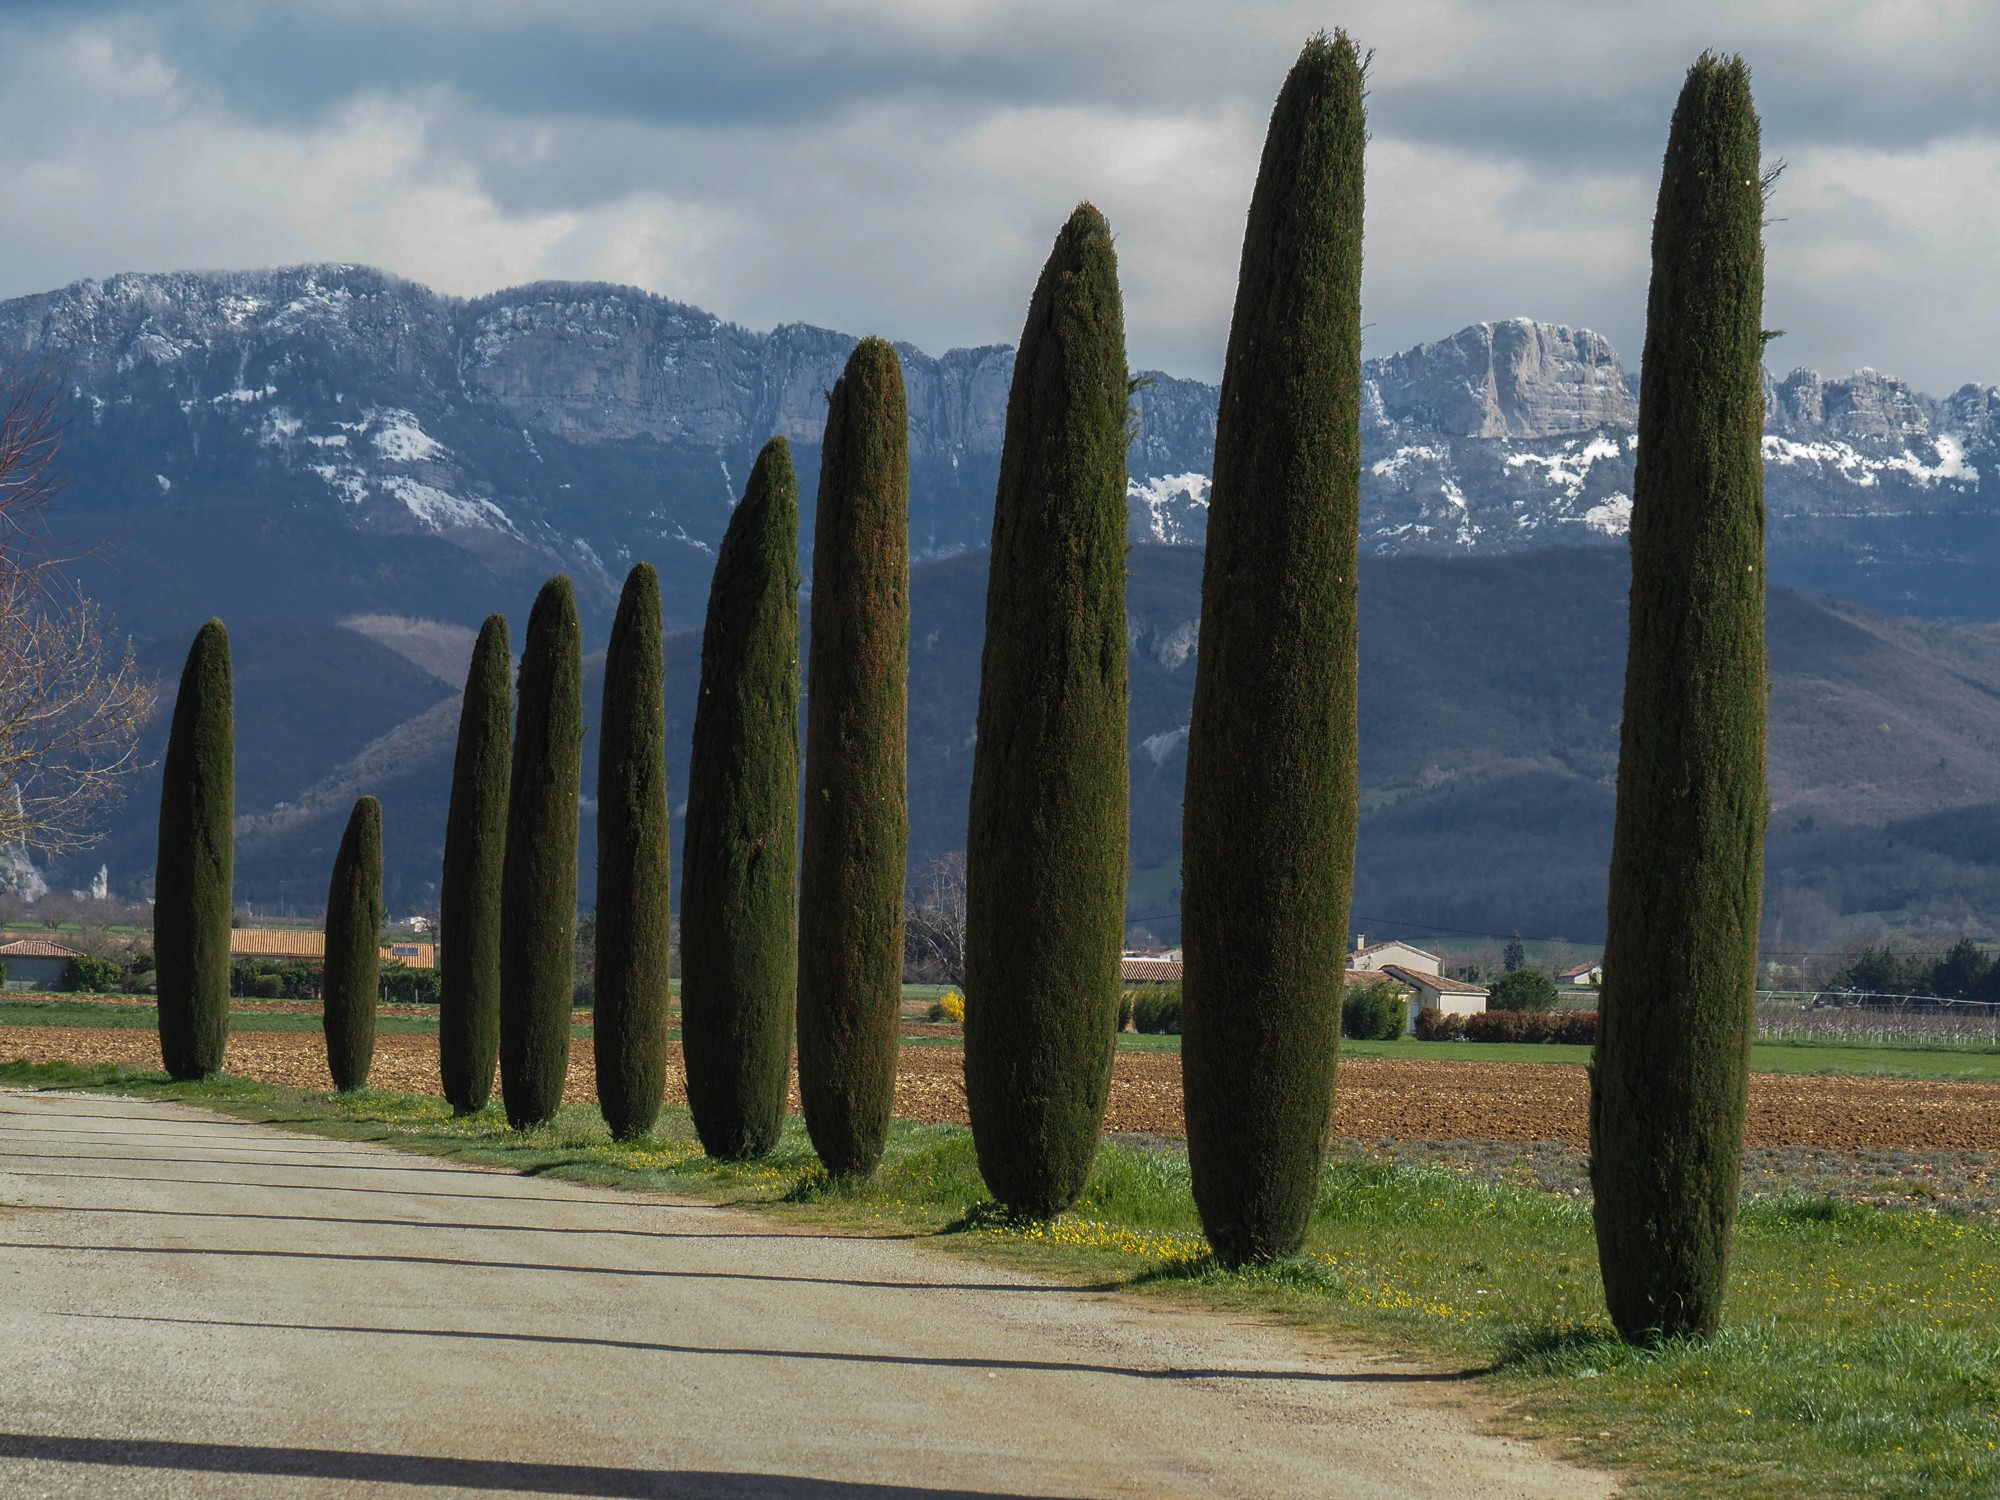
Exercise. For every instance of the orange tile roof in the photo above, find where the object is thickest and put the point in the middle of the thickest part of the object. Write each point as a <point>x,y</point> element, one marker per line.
<point>1149,970</point>
<point>36,948</point>
<point>276,942</point>
<point>1436,982</point>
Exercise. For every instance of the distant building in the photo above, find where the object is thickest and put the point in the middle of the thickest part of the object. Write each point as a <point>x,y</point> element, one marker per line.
<point>1134,969</point>
<point>1381,955</point>
<point>1435,992</point>
<point>1586,976</point>
<point>307,945</point>
<point>35,963</point>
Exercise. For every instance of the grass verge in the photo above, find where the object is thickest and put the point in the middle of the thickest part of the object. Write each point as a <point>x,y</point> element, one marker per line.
<point>1859,1355</point>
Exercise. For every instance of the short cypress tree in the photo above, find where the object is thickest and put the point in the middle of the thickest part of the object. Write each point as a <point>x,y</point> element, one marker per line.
<point>475,840</point>
<point>1669,1083</point>
<point>739,861</point>
<point>1272,774</point>
<point>1045,847</point>
<point>195,873</point>
<point>857,824</point>
<point>538,876</point>
<point>354,948</point>
<point>630,1021</point>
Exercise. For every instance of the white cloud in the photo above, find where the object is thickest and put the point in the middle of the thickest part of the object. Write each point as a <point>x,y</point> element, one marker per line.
<point>1512,168</point>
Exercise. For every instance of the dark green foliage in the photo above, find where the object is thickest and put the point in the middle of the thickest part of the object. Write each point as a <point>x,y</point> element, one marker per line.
<point>739,864</point>
<point>1045,849</point>
<point>1962,972</point>
<point>85,975</point>
<point>475,844</point>
<point>857,822</point>
<point>538,877</point>
<point>1680,961</point>
<point>1374,1011</point>
<point>354,916</point>
<point>403,985</point>
<point>1156,1009</point>
<point>630,985</point>
<point>1523,989</point>
<point>272,979</point>
<point>1269,822</point>
<point>192,906</point>
<point>1515,955</point>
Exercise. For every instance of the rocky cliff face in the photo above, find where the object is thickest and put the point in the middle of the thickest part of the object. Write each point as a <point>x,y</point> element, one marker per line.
<point>358,434</point>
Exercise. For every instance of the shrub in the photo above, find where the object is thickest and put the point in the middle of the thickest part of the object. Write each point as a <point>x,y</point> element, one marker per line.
<point>1376,1011</point>
<point>1670,1080</point>
<point>85,975</point>
<point>1434,1025</point>
<point>538,868</point>
<point>1273,740</point>
<point>950,1006</point>
<point>1524,990</point>
<point>629,969</point>
<point>475,843</point>
<point>192,909</point>
<point>1125,1011</point>
<point>264,987</point>
<point>583,994</point>
<point>739,850</point>
<point>1157,1010</point>
<point>1493,1026</point>
<point>857,823</point>
<point>353,948</point>
<point>1046,836</point>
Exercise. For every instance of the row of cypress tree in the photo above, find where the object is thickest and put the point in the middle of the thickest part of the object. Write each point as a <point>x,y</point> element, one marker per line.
<point>1270,810</point>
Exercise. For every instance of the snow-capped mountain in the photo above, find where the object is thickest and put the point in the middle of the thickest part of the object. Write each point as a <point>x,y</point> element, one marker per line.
<point>325,440</point>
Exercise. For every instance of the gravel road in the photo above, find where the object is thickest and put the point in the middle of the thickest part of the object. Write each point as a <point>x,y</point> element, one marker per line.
<point>196,1306</point>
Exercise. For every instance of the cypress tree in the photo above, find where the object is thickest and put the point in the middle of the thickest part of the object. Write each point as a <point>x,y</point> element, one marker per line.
<point>630,1023</point>
<point>1045,848</point>
<point>475,839</point>
<point>353,948</point>
<point>739,862</point>
<point>538,875</point>
<point>1669,1081</point>
<point>857,824</point>
<point>1270,810</point>
<point>195,874</point>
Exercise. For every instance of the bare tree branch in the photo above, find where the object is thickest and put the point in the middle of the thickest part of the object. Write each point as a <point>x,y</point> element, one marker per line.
<point>934,922</point>
<point>72,698</point>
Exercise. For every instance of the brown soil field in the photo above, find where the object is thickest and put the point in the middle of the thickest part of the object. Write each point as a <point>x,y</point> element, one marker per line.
<point>1376,1098</point>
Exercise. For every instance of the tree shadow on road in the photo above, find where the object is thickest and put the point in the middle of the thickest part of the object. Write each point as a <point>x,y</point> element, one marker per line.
<point>832,1356</point>
<point>480,1475</point>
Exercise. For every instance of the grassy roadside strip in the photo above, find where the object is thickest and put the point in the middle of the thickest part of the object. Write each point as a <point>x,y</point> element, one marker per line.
<point>1859,1356</point>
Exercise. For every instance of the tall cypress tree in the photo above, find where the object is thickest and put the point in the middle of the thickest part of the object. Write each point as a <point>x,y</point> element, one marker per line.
<point>1045,847</point>
<point>195,874</point>
<point>1669,1082</point>
<point>538,876</point>
<point>1270,811</point>
<point>354,948</point>
<point>857,824</point>
<point>475,841</point>
<point>739,861</point>
<point>630,1022</point>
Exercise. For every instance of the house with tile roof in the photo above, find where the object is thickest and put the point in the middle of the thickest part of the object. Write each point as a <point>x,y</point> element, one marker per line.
<point>308,945</point>
<point>1381,955</point>
<point>1435,992</point>
<point>35,963</point>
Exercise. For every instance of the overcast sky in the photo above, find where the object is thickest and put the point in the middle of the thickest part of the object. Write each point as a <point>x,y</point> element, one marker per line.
<point>900,166</point>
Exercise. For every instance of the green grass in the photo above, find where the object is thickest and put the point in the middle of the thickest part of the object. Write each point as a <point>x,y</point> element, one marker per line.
<point>1858,1357</point>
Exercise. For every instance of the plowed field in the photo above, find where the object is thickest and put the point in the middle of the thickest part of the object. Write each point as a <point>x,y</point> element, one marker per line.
<point>1376,1097</point>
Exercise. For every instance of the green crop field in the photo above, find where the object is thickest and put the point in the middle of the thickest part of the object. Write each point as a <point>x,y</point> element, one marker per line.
<point>1857,1354</point>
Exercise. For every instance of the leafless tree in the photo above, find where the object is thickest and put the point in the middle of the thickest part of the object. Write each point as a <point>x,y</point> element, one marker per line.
<point>72,698</point>
<point>934,922</point>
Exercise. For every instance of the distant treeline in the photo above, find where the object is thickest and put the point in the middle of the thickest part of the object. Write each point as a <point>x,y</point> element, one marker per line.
<point>1965,971</point>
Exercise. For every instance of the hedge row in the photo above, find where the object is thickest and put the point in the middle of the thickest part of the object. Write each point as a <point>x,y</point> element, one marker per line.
<point>1574,1027</point>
